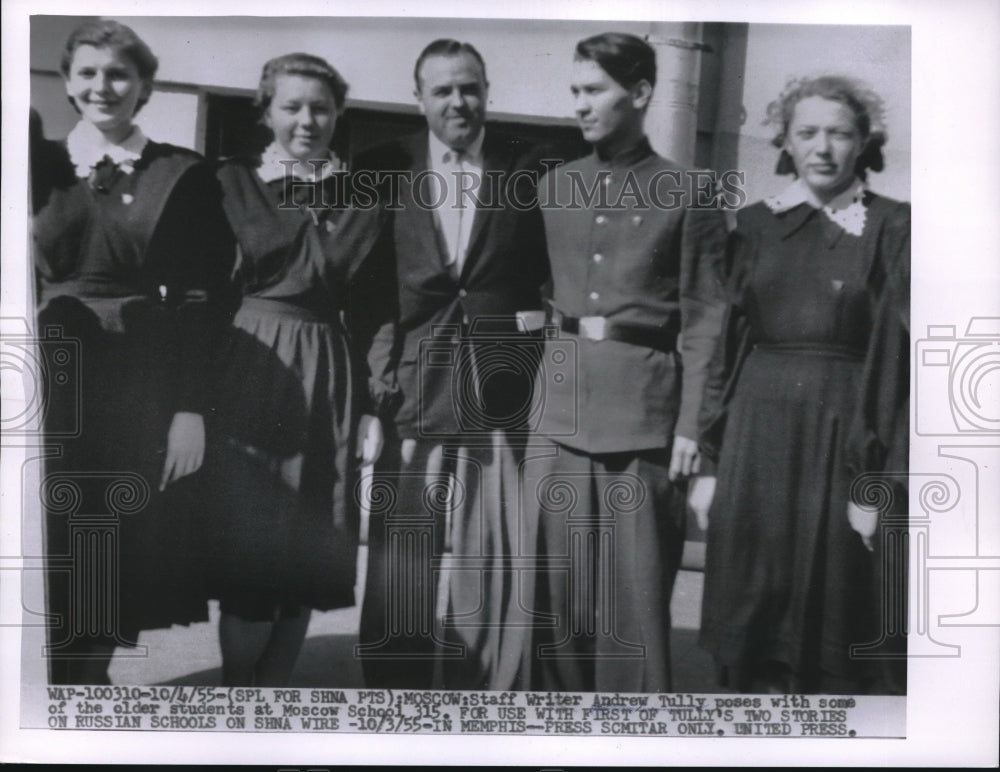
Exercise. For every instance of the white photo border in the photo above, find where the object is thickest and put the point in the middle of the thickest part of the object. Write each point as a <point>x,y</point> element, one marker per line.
<point>952,704</point>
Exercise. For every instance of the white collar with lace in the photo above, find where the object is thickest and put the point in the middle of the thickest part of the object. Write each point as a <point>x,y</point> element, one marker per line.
<point>846,209</point>
<point>275,165</point>
<point>87,148</point>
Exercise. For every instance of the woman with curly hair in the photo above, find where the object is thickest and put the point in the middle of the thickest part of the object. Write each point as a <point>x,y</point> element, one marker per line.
<point>787,576</point>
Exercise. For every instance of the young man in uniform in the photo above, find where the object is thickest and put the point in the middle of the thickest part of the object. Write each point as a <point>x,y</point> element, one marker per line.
<point>636,253</point>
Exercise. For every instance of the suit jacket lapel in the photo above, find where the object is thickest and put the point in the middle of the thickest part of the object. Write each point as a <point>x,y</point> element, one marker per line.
<point>420,193</point>
<point>491,195</point>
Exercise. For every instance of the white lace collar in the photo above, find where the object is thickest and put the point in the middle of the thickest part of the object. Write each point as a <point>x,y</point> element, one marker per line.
<point>87,147</point>
<point>275,165</point>
<point>846,209</point>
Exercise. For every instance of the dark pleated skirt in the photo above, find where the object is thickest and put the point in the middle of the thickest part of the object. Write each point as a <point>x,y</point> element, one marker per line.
<point>121,556</point>
<point>281,474</point>
<point>786,578</point>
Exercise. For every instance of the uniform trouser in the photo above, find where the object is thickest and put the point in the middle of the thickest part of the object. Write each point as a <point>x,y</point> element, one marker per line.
<point>610,537</point>
<point>411,500</point>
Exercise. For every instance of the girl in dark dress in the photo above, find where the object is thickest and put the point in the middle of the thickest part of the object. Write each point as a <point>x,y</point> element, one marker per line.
<point>129,246</point>
<point>787,580</point>
<point>293,403</point>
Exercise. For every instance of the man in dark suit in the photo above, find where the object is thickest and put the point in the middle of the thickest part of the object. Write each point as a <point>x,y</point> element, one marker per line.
<point>636,288</point>
<point>471,254</point>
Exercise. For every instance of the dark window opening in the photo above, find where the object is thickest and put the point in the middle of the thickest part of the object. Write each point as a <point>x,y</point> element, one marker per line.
<point>232,128</point>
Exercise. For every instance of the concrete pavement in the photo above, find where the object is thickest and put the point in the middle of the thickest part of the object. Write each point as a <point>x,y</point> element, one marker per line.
<point>190,655</point>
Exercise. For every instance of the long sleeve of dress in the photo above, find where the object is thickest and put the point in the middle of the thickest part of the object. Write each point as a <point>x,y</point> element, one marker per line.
<point>189,262</point>
<point>729,353</point>
<point>371,316</point>
<point>878,437</point>
<point>702,305</point>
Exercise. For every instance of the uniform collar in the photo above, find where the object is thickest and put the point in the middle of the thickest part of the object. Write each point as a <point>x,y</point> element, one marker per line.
<point>440,153</point>
<point>87,148</point>
<point>847,209</point>
<point>627,157</point>
<point>276,165</point>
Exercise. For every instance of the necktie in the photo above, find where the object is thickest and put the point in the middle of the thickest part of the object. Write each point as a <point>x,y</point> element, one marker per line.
<point>458,202</point>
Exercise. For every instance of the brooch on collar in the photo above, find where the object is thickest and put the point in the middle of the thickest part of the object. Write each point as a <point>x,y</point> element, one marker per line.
<point>100,162</point>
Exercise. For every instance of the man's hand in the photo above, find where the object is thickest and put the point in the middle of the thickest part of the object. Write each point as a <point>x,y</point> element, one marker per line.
<point>185,447</point>
<point>369,440</point>
<point>684,458</point>
<point>864,520</point>
<point>701,491</point>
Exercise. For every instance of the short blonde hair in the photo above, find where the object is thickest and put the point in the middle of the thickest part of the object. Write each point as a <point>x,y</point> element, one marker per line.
<point>305,65</point>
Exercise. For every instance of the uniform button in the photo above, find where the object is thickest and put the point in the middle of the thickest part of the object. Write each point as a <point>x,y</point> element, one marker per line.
<point>594,295</point>
<point>601,219</point>
<point>637,219</point>
<point>462,293</point>
<point>598,257</point>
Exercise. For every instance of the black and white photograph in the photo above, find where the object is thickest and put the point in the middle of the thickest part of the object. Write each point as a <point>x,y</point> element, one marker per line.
<point>549,384</point>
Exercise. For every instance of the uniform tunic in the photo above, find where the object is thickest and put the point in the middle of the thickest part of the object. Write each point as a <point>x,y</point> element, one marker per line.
<point>646,250</point>
<point>291,386</point>
<point>786,578</point>
<point>127,261</point>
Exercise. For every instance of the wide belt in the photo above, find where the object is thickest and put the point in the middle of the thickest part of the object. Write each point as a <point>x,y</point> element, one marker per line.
<point>601,328</point>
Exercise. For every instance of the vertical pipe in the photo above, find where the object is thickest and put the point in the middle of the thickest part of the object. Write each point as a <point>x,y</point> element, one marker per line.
<point>672,118</point>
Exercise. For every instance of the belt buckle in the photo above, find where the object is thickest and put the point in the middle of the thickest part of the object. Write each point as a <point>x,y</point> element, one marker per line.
<point>594,327</point>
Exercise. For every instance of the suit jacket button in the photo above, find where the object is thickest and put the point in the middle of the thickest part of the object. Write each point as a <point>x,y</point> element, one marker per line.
<point>462,293</point>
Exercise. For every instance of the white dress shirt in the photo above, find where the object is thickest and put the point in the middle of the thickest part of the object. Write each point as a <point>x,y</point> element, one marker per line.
<point>455,186</point>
